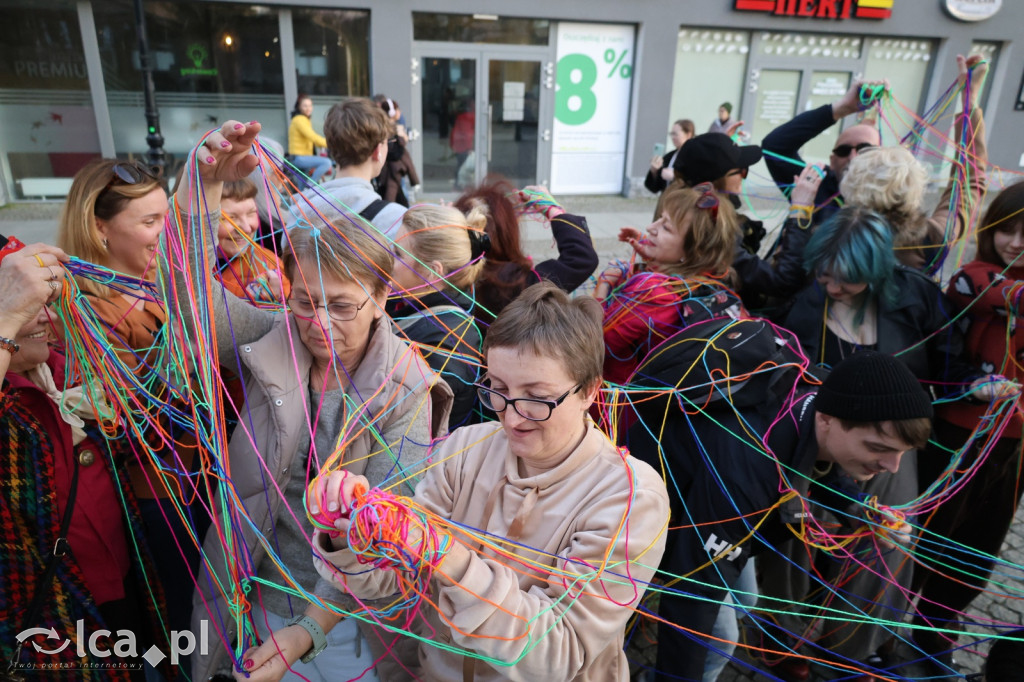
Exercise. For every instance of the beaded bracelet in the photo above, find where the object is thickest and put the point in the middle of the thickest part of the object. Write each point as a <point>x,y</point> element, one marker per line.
<point>9,345</point>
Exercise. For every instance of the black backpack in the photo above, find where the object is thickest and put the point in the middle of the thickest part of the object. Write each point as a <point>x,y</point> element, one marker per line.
<point>723,363</point>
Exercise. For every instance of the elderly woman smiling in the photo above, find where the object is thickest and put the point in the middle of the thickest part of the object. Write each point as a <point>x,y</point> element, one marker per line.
<point>330,376</point>
<point>574,526</point>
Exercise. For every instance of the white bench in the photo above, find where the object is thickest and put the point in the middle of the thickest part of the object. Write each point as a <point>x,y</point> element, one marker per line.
<point>56,188</point>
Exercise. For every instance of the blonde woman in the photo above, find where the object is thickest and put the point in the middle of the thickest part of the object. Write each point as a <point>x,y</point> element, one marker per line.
<point>439,255</point>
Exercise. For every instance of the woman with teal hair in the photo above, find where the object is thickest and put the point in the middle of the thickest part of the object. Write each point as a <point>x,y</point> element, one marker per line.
<point>860,297</point>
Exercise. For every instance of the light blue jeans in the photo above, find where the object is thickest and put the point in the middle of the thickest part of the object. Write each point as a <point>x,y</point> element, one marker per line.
<point>313,166</point>
<point>726,626</point>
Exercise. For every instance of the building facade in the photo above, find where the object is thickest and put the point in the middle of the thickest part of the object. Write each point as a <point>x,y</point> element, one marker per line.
<point>575,94</point>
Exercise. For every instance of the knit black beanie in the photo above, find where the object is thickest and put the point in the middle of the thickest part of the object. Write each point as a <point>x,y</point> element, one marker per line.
<point>873,387</point>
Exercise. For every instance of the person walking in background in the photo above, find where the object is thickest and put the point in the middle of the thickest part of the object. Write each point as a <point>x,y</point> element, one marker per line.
<point>663,168</point>
<point>724,120</point>
<point>461,141</point>
<point>302,138</point>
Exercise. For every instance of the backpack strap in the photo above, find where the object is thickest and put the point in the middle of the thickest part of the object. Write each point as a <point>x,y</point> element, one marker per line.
<point>371,211</point>
<point>404,323</point>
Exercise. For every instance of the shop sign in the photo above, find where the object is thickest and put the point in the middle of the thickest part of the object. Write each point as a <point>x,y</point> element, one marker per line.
<point>198,54</point>
<point>594,79</point>
<point>821,9</point>
<point>973,10</point>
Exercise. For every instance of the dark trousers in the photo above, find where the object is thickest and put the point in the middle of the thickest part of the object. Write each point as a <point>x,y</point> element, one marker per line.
<point>978,517</point>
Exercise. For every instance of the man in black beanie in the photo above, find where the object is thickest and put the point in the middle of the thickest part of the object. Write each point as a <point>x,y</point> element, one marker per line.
<point>742,480</point>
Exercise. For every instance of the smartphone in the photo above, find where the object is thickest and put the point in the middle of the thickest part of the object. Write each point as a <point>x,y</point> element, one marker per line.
<point>659,149</point>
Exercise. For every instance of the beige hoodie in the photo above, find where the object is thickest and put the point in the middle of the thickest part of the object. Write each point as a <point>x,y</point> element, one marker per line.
<point>584,518</point>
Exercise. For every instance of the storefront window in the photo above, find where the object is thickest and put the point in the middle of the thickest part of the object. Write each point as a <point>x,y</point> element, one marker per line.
<point>332,52</point>
<point>47,123</point>
<point>478,28</point>
<point>197,47</point>
<point>906,64</point>
<point>700,52</point>
<point>211,62</point>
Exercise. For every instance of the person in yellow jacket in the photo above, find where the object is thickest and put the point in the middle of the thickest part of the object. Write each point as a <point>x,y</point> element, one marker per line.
<point>302,138</point>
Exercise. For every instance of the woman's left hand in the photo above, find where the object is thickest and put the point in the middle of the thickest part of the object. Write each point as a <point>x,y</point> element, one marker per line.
<point>226,154</point>
<point>805,185</point>
<point>978,67</point>
<point>993,387</point>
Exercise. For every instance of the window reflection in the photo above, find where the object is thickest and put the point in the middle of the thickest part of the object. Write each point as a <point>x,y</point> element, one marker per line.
<point>195,47</point>
<point>332,51</point>
<point>466,28</point>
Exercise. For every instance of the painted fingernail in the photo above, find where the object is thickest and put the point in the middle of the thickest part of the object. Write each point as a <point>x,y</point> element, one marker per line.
<point>209,159</point>
<point>225,144</point>
<point>314,510</point>
<point>239,126</point>
<point>332,506</point>
<point>252,122</point>
<point>248,664</point>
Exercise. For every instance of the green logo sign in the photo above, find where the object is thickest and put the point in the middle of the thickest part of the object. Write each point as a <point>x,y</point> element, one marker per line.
<point>198,54</point>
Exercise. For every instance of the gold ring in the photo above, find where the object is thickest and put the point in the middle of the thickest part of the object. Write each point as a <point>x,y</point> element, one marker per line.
<point>40,261</point>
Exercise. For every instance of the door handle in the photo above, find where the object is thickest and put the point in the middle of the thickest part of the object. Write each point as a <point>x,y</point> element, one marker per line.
<point>490,129</point>
<point>546,136</point>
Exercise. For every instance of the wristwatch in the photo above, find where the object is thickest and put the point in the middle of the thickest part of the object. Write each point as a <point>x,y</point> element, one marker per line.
<point>315,631</point>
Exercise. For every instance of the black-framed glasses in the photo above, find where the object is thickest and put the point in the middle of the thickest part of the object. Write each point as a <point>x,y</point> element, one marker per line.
<point>339,312</point>
<point>533,409</point>
<point>738,171</point>
<point>843,150</point>
<point>708,199</point>
<point>130,173</point>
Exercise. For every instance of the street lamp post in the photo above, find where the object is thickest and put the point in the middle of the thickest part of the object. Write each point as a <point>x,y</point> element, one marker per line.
<point>153,137</point>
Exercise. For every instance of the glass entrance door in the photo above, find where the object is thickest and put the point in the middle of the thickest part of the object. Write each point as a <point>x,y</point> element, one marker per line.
<point>479,112</point>
<point>448,123</point>
<point>513,98</point>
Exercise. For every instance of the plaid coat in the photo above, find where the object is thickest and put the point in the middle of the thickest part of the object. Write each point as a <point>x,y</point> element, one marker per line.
<point>32,436</point>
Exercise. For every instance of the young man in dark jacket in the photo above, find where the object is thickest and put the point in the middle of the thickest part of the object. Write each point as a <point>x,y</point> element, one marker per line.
<point>728,466</point>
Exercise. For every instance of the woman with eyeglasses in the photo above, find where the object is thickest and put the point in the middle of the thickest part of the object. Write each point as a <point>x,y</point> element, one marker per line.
<point>684,277</point>
<point>890,181</point>
<point>439,255</point>
<point>573,526</point>
<point>863,299</point>
<point>114,217</point>
<point>327,376</point>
